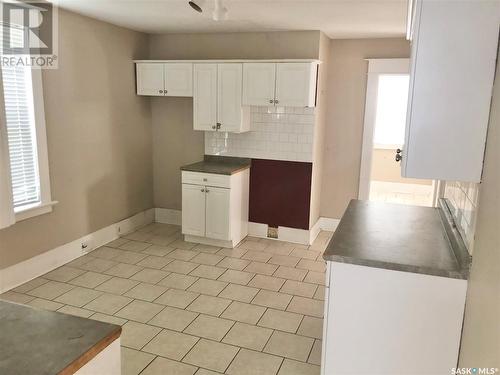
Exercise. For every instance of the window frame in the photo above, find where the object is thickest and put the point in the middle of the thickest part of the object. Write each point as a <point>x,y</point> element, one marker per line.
<point>46,202</point>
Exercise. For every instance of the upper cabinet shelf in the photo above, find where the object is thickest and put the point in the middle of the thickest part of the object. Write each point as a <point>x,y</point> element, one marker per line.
<point>453,56</point>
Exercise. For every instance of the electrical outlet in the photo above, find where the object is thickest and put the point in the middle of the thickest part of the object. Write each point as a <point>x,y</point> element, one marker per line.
<point>272,232</point>
<point>85,247</point>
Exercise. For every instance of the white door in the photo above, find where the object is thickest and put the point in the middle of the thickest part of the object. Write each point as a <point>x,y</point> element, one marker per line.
<point>205,96</point>
<point>384,133</point>
<point>295,84</point>
<point>259,81</point>
<point>179,79</point>
<point>150,79</point>
<point>193,209</point>
<point>229,83</point>
<point>217,213</point>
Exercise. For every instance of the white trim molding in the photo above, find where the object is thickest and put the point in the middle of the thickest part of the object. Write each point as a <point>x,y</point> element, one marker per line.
<point>29,269</point>
<point>39,265</point>
<point>300,236</point>
<point>168,216</point>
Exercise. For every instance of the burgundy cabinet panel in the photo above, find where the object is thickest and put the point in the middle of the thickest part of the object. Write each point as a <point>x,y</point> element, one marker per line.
<point>280,193</point>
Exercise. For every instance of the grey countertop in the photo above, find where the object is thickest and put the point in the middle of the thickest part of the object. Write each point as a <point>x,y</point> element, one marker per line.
<point>398,237</point>
<point>39,342</point>
<point>226,165</point>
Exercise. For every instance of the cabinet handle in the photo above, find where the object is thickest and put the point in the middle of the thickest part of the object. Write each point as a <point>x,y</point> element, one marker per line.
<point>207,191</point>
<point>214,127</point>
<point>205,180</point>
<point>218,125</point>
<point>161,91</point>
<point>276,101</point>
<point>202,190</point>
<point>271,101</point>
<point>399,157</point>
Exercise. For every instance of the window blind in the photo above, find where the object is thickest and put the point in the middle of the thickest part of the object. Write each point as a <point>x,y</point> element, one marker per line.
<point>21,132</point>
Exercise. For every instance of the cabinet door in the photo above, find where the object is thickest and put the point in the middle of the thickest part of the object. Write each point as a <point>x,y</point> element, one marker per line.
<point>259,81</point>
<point>205,96</point>
<point>150,79</point>
<point>218,213</point>
<point>179,79</point>
<point>193,210</point>
<point>451,80</point>
<point>229,83</point>
<point>296,84</point>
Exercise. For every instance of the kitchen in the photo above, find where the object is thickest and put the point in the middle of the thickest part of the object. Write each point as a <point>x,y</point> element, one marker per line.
<point>199,178</point>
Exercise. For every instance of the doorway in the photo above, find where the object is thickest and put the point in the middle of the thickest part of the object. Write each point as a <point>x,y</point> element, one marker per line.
<point>384,134</point>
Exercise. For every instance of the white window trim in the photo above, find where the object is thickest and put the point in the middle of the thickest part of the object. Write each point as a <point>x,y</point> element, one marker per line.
<point>46,202</point>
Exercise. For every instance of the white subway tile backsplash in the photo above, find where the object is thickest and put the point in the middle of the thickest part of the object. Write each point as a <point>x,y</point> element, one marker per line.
<point>463,198</point>
<point>278,133</point>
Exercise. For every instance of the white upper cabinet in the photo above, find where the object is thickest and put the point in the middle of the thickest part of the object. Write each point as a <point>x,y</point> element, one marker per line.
<point>454,49</point>
<point>169,79</point>
<point>259,80</point>
<point>178,79</point>
<point>230,112</point>
<point>205,97</point>
<point>296,84</point>
<point>217,98</point>
<point>150,79</point>
<point>284,84</point>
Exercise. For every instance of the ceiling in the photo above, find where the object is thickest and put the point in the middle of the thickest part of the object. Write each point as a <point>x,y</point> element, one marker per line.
<point>337,18</point>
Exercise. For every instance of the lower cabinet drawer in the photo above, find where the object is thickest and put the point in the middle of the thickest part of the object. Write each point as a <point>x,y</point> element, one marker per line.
<point>206,179</point>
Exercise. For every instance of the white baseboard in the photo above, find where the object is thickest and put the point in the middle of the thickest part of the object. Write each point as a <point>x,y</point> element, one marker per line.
<point>168,216</point>
<point>328,224</point>
<point>314,231</point>
<point>257,229</point>
<point>29,269</point>
<point>301,236</point>
<point>209,241</point>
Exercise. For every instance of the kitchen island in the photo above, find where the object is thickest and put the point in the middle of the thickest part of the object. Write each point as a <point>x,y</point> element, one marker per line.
<point>395,291</point>
<point>39,342</point>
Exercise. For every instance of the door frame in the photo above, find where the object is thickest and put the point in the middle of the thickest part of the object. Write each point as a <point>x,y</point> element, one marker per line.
<point>376,67</point>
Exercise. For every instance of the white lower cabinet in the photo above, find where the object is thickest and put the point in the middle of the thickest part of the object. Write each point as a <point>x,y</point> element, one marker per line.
<point>215,215</point>
<point>379,321</point>
<point>193,209</point>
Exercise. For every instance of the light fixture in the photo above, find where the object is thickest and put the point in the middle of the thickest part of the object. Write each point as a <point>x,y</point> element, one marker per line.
<point>197,5</point>
<point>220,11</point>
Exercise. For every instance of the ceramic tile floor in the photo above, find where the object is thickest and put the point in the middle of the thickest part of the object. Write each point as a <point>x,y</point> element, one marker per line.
<point>194,309</point>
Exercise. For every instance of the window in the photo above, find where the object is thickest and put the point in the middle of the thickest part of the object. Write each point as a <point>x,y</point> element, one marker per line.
<point>390,120</point>
<point>26,138</point>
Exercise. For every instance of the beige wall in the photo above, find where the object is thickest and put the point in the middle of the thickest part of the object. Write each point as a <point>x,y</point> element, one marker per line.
<point>175,141</point>
<point>481,333</point>
<point>385,168</point>
<point>344,130</point>
<point>99,138</point>
<point>263,45</point>
<point>319,129</point>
